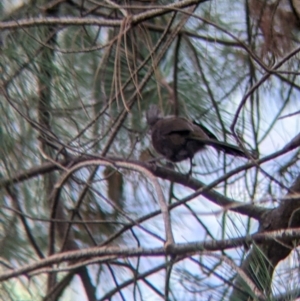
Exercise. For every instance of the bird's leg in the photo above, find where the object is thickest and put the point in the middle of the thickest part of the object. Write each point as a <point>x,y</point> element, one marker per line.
<point>170,165</point>
<point>191,167</point>
<point>152,162</point>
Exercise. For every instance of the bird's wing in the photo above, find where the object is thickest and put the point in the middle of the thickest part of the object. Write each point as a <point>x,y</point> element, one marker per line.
<point>219,145</point>
<point>206,130</point>
<point>177,125</point>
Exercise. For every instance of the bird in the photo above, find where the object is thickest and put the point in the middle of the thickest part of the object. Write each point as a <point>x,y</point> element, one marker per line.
<point>178,139</point>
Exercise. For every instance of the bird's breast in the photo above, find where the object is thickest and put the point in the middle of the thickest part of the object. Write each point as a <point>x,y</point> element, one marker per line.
<point>172,146</point>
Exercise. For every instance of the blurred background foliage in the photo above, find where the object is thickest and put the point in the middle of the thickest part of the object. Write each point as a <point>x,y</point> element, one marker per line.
<point>70,90</point>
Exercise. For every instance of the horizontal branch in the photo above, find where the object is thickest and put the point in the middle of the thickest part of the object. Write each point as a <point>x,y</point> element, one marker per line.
<point>63,21</point>
<point>208,192</point>
<point>132,20</point>
<point>177,249</point>
<point>200,187</point>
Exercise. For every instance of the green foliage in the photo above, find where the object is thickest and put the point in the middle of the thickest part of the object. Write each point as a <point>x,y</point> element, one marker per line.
<point>76,82</point>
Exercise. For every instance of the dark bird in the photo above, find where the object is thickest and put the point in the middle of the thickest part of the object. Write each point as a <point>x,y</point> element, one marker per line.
<point>178,139</point>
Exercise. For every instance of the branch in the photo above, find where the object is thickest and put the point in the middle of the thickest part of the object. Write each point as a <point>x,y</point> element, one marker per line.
<point>204,189</point>
<point>187,249</point>
<point>135,19</point>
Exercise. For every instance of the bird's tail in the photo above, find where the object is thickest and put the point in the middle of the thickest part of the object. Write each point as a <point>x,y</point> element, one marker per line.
<point>224,147</point>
